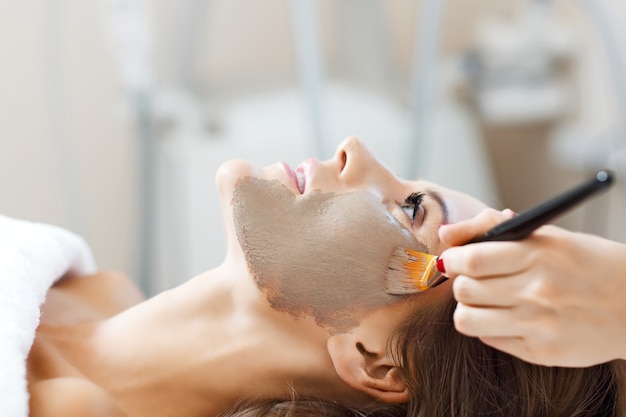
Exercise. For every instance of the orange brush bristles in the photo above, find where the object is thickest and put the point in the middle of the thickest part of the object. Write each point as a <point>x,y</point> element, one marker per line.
<point>409,271</point>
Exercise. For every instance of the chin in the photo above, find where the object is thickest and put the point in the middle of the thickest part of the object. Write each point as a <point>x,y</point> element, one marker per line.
<point>226,177</point>
<point>232,171</point>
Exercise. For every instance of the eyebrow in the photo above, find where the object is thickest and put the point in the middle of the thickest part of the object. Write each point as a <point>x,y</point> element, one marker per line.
<point>442,203</point>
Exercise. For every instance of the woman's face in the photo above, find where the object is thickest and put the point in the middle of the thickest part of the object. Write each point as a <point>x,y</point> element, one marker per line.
<point>317,238</point>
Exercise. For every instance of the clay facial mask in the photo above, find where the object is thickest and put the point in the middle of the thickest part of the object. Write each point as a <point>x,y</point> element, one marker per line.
<point>318,254</point>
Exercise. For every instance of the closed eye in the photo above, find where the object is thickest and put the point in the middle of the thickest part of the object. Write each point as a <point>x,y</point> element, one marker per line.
<point>413,205</point>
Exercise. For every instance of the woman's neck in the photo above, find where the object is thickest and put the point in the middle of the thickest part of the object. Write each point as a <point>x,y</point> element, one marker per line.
<point>201,347</point>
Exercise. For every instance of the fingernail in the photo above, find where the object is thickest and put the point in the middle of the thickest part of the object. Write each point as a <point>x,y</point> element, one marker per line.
<point>511,212</point>
<point>440,266</point>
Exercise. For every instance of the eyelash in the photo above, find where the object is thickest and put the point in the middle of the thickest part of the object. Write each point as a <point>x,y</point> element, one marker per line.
<point>413,202</point>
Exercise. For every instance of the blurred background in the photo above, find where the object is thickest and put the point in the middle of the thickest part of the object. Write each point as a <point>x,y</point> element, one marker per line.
<point>115,114</point>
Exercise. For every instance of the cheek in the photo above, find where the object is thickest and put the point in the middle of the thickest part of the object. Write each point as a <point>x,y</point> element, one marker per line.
<point>324,255</point>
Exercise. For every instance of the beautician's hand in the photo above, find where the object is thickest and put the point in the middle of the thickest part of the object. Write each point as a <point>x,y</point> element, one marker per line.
<point>557,298</point>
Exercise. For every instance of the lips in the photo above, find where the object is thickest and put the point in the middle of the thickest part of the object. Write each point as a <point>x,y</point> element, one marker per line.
<point>305,173</point>
<point>294,176</point>
<point>300,181</point>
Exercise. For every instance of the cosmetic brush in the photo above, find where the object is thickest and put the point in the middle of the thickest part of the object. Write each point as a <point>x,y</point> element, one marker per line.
<point>410,271</point>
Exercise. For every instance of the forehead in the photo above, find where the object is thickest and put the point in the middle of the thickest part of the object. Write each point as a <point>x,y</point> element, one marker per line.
<point>460,206</point>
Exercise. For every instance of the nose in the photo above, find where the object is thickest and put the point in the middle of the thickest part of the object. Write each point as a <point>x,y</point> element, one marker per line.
<point>359,167</point>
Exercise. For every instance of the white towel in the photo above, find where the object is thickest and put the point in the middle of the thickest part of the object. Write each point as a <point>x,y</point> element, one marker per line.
<point>32,257</point>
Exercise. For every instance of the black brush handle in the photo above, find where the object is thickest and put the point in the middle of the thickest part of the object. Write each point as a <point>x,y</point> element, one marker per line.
<point>523,225</point>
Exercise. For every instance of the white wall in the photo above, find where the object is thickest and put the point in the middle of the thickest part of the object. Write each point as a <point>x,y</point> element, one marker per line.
<point>68,148</point>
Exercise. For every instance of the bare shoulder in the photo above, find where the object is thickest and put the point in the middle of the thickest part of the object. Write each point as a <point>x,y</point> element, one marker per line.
<point>90,297</point>
<point>71,397</point>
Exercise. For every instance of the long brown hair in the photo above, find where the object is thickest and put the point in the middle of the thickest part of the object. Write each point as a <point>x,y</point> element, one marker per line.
<point>451,375</point>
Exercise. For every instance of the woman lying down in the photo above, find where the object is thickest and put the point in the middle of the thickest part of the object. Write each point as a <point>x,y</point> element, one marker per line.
<point>295,321</point>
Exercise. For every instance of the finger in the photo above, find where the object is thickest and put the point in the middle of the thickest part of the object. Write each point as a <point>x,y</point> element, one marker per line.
<point>487,259</point>
<point>518,347</point>
<point>515,346</point>
<point>459,233</point>
<point>494,292</point>
<point>485,322</point>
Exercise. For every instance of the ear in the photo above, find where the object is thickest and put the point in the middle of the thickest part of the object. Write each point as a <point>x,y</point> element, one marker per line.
<point>369,371</point>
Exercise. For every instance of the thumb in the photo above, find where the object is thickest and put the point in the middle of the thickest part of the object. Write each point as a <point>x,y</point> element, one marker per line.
<point>461,232</point>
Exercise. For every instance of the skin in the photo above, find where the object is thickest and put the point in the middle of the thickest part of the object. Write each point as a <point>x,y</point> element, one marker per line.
<point>350,235</point>
<point>552,299</point>
<point>197,349</point>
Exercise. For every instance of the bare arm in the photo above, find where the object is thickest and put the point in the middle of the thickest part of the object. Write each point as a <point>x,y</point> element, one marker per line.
<point>93,297</point>
<point>71,397</point>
